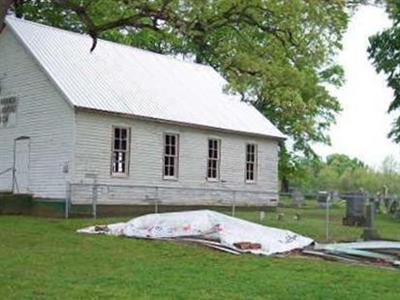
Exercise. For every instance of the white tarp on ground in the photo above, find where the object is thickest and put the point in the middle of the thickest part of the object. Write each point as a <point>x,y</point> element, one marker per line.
<point>206,225</point>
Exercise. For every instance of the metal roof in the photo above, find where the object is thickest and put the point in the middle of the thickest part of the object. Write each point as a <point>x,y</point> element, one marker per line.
<point>123,79</point>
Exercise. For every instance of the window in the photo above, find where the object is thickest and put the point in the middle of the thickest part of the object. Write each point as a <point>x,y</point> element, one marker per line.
<point>251,162</point>
<point>120,151</point>
<point>171,149</point>
<point>213,159</point>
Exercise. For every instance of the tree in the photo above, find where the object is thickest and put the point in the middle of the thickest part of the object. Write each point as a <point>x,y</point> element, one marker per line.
<point>337,172</point>
<point>390,165</point>
<point>306,174</point>
<point>344,174</point>
<point>384,51</point>
<point>276,54</point>
<point>342,163</point>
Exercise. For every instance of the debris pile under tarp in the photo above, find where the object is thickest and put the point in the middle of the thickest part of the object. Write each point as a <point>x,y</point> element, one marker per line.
<point>208,228</point>
<point>385,253</point>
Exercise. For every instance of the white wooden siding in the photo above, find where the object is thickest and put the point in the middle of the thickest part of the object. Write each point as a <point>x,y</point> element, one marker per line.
<point>93,152</point>
<point>42,115</point>
<point>82,140</point>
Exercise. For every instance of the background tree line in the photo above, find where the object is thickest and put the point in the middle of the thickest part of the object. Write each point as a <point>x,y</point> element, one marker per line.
<point>341,173</point>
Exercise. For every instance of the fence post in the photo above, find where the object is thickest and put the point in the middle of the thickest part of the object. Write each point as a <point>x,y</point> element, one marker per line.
<point>156,196</point>
<point>233,203</point>
<point>327,203</point>
<point>94,198</point>
<point>68,193</point>
<point>262,215</point>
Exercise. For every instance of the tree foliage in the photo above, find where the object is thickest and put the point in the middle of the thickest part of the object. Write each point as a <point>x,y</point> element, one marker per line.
<point>342,163</point>
<point>338,172</point>
<point>384,51</point>
<point>276,54</point>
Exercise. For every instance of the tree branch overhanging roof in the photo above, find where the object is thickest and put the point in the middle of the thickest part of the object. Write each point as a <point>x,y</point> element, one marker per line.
<point>122,79</point>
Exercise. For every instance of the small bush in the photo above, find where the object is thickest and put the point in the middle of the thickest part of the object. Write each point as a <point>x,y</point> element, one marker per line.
<point>15,204</point>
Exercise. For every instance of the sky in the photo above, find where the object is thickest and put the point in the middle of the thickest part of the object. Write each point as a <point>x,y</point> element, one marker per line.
<point>362,127</point>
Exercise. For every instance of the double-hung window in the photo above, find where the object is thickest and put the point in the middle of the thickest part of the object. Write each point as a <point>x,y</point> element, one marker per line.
<point>171,155</point>
<point>214,158</point>
<point>251,162</point>
<point>120,151</point>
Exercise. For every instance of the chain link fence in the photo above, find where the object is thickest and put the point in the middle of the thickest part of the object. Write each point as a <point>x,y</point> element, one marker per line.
<point>95,194</point>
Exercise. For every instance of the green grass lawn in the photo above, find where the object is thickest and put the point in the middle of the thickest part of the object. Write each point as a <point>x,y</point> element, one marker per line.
<point>46,259</point>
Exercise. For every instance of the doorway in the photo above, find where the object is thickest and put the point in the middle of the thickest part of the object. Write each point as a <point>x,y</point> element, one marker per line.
<point>21,165</point>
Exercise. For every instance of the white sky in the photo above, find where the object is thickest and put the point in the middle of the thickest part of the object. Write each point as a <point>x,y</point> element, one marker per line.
<point>362,127</point>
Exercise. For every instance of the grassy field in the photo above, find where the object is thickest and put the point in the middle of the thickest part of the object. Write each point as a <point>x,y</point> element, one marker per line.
<point>46,259</point>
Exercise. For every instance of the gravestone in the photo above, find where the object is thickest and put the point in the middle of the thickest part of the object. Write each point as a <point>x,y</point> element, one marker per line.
<point>335,196</point>
<point>297,198</point>
<point>394,206</point>
<point>355,209</point>
<point>370,233</point>
<point>324,199</point>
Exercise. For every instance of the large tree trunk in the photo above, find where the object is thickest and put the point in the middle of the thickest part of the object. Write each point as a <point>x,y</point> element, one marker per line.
<point>4,7</point>
<point>284,185</point>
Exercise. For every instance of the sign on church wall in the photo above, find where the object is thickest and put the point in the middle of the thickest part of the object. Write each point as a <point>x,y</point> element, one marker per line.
<point>8,112</point>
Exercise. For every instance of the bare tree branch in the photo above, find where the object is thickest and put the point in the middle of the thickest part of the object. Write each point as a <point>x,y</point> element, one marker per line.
<point>147,15</point>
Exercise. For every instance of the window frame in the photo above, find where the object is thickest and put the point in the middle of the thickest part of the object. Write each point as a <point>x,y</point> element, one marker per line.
<point>176,156</point>
<point>218,160</point>
<point>127,152</point>
<point>254,163</point>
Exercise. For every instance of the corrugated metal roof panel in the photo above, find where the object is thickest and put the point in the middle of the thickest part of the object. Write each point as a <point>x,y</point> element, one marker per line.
<point>123,79</point>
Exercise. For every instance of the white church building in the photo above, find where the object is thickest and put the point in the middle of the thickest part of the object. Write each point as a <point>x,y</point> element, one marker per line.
<point>133,124</point>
